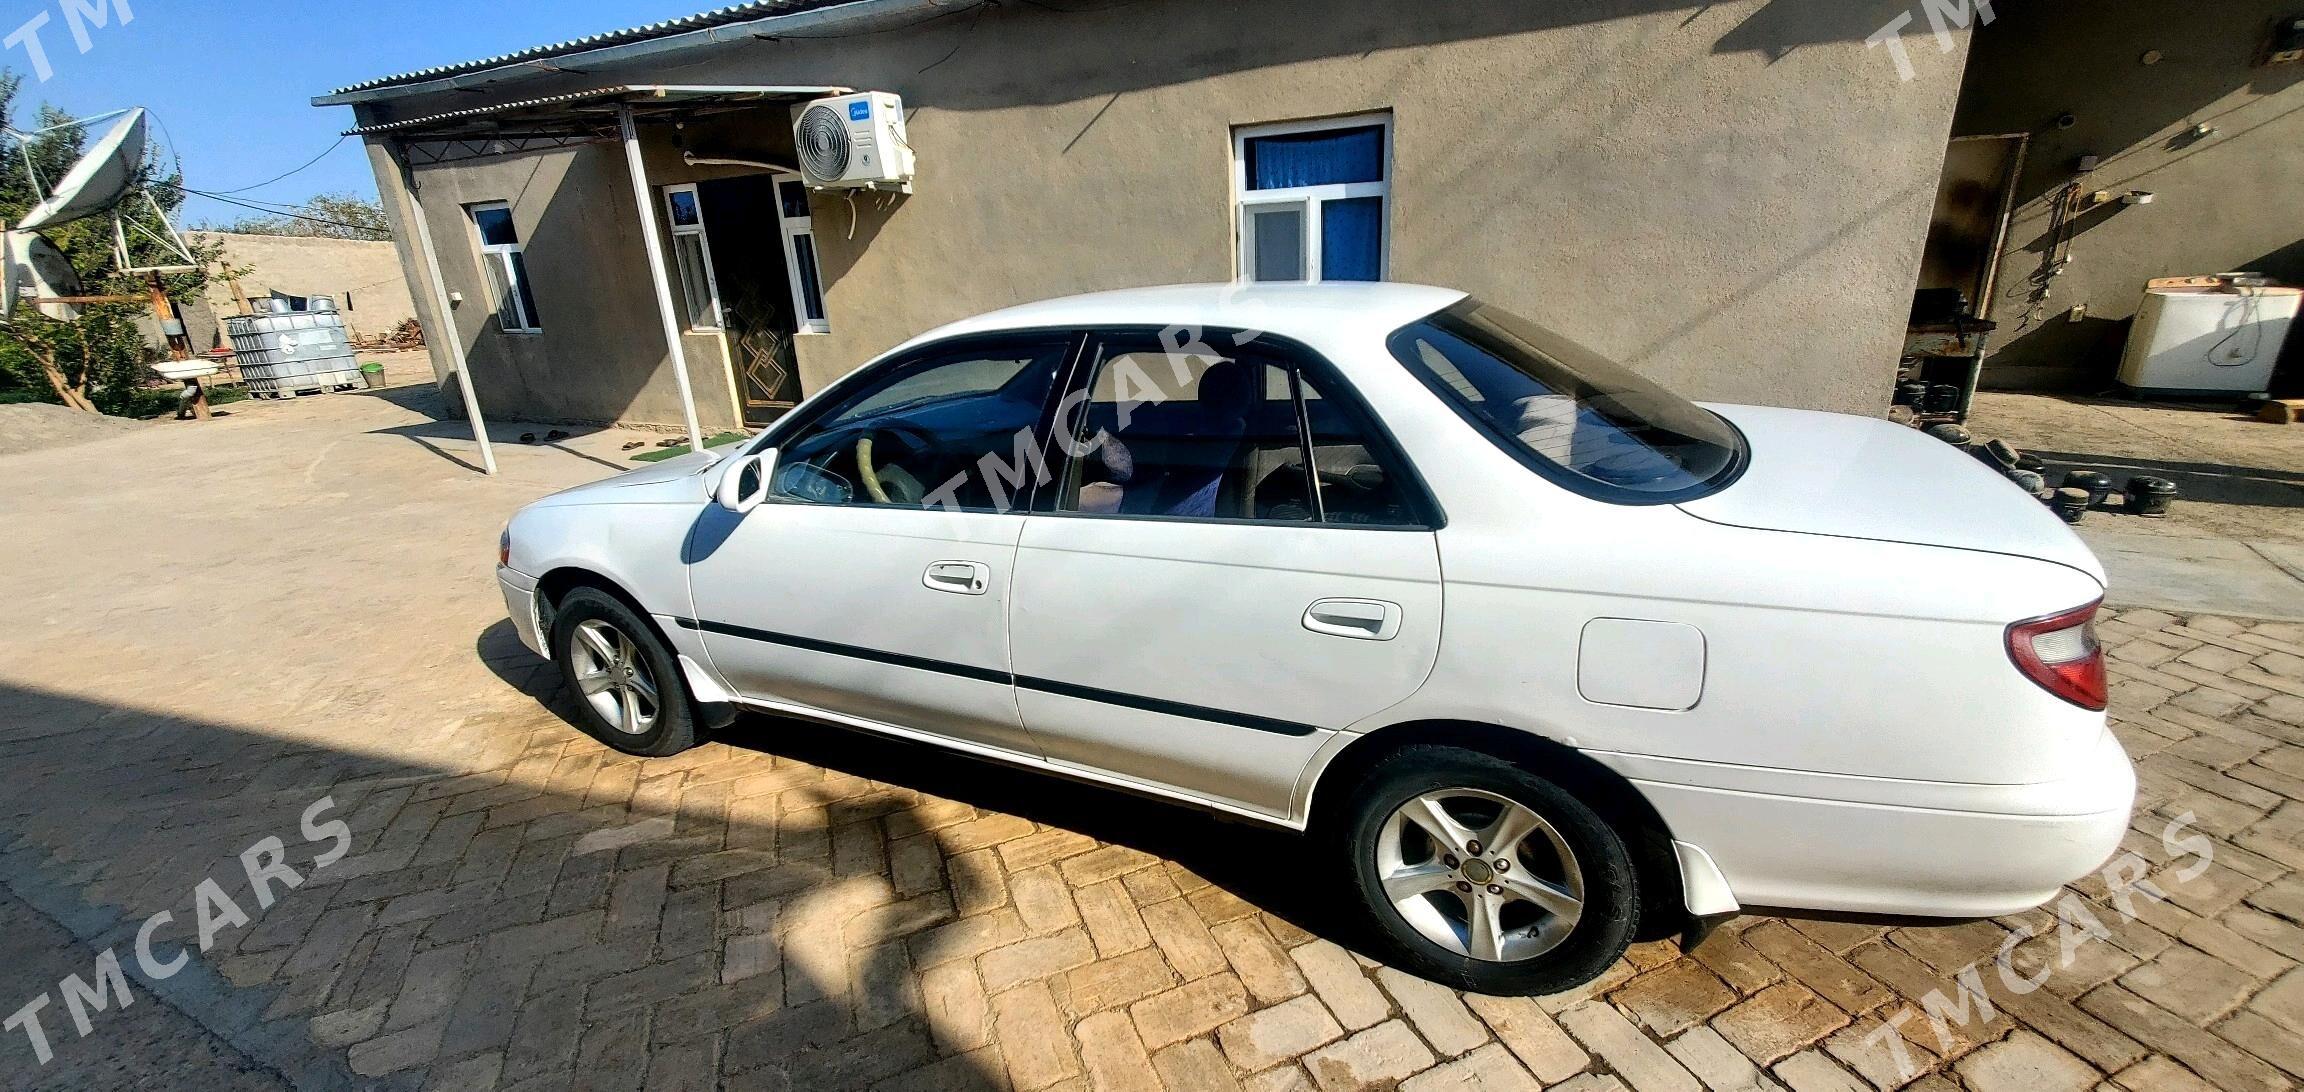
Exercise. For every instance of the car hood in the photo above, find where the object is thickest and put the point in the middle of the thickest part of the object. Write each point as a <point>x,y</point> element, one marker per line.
<point>1865,478</point>
<point>677,480</point>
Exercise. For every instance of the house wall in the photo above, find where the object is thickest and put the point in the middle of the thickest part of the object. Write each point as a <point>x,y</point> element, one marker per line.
<point>601,356</point>
<point>1731,196</point>
<point>2229,201</point>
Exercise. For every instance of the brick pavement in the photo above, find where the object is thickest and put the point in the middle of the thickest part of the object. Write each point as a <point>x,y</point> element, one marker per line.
<point>794,907</point>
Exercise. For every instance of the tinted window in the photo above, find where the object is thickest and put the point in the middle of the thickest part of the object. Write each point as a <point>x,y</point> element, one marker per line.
<point>1582,419</point>
<point>1357,483</point>
<point>941,430</point>
<point>495,225</point>
<point>1189,436</point>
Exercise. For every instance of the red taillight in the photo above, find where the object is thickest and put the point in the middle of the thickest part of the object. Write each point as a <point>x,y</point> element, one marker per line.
<point>2061,654</point>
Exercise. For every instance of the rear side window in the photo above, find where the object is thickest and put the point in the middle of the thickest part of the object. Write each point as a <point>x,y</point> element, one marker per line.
<point>1567,412</point>
<point>1243,435</point>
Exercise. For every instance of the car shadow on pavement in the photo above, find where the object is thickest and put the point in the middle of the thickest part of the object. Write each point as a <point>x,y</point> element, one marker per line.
<point>532,907</point>
<point>1299,878</point>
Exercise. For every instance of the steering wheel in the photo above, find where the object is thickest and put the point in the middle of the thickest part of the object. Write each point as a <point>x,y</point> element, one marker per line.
<point>890,483</point>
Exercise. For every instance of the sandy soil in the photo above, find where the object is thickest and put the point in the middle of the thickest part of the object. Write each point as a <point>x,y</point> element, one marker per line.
<point>32,426</point>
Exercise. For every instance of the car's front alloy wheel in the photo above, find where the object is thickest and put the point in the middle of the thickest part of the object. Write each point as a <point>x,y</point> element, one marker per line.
<point>614,679</point>
<point>1486,877</point>
<point>627,684</point>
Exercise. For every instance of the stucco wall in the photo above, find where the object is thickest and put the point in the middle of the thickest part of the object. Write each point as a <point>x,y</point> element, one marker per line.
<point>1730,196</point>
<point>601,356</point>
<point>364,277</point>
<point>2233,200</point>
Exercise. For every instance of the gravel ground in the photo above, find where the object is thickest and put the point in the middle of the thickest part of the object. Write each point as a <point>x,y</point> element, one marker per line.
<point>31,426</point>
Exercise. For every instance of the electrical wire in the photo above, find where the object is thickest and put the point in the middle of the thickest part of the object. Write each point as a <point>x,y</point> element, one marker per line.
<point>282,207</point>
<point>313,162</point>
<point>965,33</point>
<point>277,212</point>
<point>2250,309</point>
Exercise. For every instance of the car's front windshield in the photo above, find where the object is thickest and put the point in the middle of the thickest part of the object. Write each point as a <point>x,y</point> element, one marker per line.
<point>1566,410</point>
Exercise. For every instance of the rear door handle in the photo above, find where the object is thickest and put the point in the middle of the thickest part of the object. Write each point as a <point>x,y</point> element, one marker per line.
<point>1359,619</point>
<point>958,577</point>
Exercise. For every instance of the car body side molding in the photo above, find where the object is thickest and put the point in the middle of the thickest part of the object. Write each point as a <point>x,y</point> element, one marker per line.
<point>985,674</point>
<point>835,648</point>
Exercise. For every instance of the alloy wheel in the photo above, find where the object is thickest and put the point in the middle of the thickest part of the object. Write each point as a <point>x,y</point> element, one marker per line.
<point>1480,875</point>
<point>613,678</point>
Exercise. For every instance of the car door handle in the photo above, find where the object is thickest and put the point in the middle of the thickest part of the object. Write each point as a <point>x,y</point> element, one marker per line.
<point>958,577</point>
<point>1359,619</point>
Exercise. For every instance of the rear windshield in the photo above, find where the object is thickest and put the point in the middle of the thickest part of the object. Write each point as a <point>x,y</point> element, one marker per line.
<point>1567,412</point>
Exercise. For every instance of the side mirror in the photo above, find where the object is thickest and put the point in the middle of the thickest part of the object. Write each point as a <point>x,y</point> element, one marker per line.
<point>744,485</point>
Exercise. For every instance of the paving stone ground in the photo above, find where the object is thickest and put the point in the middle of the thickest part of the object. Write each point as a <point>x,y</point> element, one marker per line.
<point>214,628</point>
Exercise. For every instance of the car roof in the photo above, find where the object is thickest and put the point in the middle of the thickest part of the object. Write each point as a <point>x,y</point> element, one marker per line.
<point>1305,312</point>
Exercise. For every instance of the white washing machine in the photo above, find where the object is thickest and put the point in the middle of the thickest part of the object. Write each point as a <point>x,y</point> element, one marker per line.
<point>2208,340</point>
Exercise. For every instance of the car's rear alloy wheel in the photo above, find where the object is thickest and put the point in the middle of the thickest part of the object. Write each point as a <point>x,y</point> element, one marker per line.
<point>1485,877</point>
<point>627,684</point>
<point>1480,875</point>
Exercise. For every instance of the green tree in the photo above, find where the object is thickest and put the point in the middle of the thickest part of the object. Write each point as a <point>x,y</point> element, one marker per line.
<point>97,361</point>
<point>327,216</point>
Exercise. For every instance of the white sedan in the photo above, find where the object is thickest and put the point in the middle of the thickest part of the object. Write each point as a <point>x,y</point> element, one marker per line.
<point>1530,645</point>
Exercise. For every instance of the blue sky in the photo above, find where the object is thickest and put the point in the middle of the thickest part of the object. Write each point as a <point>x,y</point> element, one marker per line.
<point>230,81</point>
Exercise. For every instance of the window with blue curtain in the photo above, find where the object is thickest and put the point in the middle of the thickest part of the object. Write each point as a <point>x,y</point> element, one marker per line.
<point>1314,206</point>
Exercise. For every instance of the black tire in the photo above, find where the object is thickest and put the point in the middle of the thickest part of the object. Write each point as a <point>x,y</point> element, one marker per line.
<point>1611,885</point>
<point>674,726</point>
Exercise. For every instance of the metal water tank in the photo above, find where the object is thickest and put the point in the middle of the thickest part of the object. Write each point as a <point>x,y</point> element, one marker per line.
<point>286,353</point>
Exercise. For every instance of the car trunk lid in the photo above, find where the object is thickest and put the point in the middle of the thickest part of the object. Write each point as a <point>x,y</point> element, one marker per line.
<point>1860,477</point>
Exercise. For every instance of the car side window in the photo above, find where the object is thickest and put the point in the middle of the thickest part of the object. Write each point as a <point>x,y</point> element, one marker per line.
<point>1203,434</point>
<point>920,434</point>
<point>1357,478</point>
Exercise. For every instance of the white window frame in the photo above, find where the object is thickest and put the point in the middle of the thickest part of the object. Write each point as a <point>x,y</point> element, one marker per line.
<point>792,228</point>
<point>1311,198</point>
<point>713,319</point>
<point>501,255</point>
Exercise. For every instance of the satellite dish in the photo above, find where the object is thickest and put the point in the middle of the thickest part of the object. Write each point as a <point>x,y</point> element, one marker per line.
<point>36,269</point>
<point>99,180</point>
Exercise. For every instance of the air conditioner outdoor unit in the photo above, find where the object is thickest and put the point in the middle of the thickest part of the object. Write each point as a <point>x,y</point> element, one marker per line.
<point>853,142</point>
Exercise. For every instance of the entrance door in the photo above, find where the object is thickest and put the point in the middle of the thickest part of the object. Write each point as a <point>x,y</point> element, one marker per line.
<point>875,582</point>
<point>755,293</point>
<point>1235,570</point>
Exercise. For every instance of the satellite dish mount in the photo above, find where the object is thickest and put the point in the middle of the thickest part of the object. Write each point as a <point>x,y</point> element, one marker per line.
<point>109,179</point>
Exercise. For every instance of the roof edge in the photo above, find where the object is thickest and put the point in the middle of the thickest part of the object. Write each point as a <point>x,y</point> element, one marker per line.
<point>615,46</point>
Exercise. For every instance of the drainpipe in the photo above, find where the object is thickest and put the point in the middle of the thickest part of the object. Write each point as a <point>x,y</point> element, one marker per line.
<point>422,231</point>
<point>653,237</point>
<point>694,160</point>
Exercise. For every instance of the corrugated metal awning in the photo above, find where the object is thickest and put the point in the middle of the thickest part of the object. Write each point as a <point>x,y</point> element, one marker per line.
<point>718,17</point>
<point>588,113</point>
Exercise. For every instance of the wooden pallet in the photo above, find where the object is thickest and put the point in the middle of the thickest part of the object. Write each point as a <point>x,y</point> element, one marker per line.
<point>2282,411</point>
